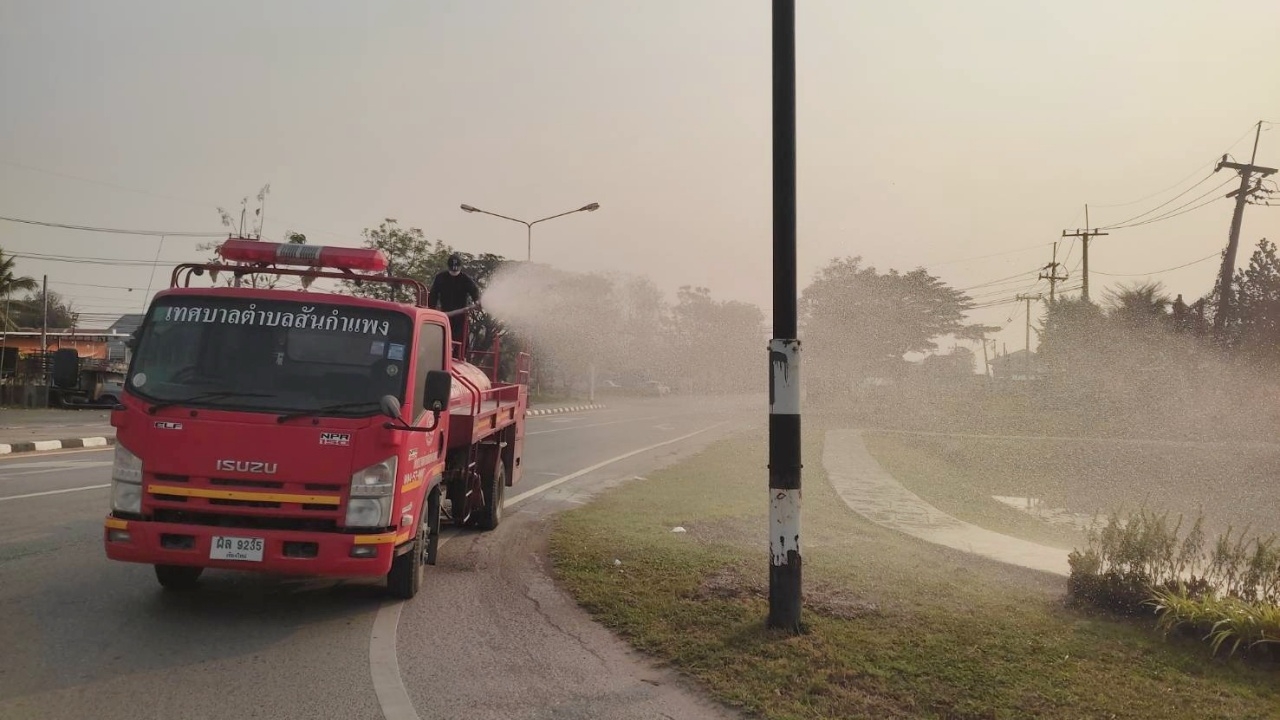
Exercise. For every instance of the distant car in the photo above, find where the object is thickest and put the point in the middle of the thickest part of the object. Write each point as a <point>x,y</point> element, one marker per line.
<point>653,387</point>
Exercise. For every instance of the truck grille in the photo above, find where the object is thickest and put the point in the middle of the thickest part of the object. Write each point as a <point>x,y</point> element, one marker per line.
<point>262,504</point>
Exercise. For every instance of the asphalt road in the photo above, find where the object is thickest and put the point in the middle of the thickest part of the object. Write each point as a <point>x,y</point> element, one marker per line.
<point>490,636</point>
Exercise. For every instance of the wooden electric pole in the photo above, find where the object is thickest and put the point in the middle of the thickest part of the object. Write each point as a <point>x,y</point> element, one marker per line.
<point>1053,277</point>
<point>1086,234</point>
<point>1247,171</point>
<point>1029,298</point>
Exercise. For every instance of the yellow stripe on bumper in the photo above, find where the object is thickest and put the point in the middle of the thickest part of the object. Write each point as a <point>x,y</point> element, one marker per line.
<point>241,495</point>
<point>381,539</point>
<point>117,524</point>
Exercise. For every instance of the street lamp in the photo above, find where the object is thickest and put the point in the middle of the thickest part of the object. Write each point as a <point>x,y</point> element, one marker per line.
<point>529,225</point>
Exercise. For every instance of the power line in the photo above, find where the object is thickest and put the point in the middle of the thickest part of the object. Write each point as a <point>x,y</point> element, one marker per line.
<point>119,262</point>
<point>1190,175</point>
<point>984,257</point>
<point>1122,223</point>
<point>117,231</point>
<point>1158,272</point>
<point>1174,212</point>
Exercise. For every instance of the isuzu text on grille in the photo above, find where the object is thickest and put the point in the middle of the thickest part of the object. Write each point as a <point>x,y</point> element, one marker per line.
<point>245,466</point>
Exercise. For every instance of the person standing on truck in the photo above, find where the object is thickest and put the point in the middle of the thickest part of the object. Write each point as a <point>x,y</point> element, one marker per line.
<point>452,290</point>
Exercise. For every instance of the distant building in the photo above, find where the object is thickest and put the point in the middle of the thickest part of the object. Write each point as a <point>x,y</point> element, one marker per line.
<point>124,327</point>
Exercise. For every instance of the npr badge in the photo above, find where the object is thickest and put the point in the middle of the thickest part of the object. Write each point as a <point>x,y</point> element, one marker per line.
<point>332,438</point>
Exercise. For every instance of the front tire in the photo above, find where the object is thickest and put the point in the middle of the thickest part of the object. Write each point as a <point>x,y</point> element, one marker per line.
<point>494,493</point>
<point>178,577</point>
<point>405,579</point>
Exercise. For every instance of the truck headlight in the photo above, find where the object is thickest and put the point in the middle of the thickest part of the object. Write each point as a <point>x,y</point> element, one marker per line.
<point>372,490</point>
<point>126,481</point>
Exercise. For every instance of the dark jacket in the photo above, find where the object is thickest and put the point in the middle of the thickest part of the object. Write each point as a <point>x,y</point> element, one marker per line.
<point>450,292</point>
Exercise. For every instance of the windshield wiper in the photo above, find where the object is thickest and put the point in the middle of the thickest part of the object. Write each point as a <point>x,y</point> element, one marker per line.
<point>327,409</point>
<point>203,396</point>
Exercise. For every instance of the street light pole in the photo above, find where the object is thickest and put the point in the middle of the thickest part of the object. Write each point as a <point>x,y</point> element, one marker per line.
<point>529,224</point>
<point>784,348</point>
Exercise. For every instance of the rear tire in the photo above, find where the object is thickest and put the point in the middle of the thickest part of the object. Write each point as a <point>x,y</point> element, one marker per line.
<point>178,577</point>
<point>405,578</point>
<point>494,494</point>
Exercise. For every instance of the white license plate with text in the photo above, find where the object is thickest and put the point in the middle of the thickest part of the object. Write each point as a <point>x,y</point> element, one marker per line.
<point>236,548</point>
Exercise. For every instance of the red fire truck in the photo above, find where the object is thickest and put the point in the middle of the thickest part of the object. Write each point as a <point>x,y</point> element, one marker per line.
<point>302,432</point>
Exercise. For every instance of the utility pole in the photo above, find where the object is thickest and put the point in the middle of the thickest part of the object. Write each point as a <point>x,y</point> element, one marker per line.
<point>1029,298</point>
<point>1053,277</point>
<point>784,348</point>
<point>44,339</point>
<point>1085,235</point>
<point>1247,171</point>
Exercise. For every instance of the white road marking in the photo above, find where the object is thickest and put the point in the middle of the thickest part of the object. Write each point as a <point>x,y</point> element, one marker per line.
<point>611,422</point>
<point>54,492</point>
<point>384,666</point>
<point>51,467</point>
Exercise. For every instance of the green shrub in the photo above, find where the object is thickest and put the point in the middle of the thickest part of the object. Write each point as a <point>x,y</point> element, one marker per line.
<point>1140,565</point>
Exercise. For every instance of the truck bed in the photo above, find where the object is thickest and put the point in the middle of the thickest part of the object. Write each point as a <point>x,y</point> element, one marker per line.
<point>498,408</point>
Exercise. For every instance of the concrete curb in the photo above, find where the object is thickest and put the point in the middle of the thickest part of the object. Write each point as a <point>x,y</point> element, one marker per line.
<point>557,411</point>
<point>30,446</point>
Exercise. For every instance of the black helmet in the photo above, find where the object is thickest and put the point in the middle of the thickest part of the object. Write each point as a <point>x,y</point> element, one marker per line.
<point>455,262</point>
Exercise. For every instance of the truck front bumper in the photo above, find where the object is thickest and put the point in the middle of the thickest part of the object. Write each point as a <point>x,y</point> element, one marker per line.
<point>283,552</point>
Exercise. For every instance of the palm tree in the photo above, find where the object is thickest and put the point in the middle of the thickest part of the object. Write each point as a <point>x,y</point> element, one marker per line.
<point>1140,304</point>
<point>10,282</point>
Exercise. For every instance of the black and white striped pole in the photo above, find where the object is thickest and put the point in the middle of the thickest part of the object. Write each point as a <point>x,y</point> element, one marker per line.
<point>784,348</point>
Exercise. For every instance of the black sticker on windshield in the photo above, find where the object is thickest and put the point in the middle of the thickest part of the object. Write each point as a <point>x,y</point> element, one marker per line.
<point>332,438</point>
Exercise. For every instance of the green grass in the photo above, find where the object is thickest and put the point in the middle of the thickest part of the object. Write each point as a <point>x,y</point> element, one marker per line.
<point>965,488</point>
<point>895,628</point>
<point>1227,485</point>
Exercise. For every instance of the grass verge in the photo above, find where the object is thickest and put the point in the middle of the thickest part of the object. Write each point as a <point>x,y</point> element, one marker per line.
<point>896,628</point>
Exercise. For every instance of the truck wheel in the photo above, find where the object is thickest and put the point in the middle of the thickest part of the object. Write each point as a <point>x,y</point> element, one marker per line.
<point>495,491</point>
<point>178,577</point>
<point>405,578</point>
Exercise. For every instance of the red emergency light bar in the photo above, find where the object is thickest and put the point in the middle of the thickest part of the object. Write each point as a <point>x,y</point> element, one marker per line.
<point>269,253</point>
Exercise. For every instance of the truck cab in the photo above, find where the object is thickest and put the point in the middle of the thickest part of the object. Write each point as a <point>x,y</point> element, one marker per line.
<point>300,432</point>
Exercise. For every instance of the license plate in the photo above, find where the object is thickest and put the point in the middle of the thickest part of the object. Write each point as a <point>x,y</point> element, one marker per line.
<point>236,548</point>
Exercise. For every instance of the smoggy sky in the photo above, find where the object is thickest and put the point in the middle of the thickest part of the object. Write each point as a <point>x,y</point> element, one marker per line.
<point>930,132</point>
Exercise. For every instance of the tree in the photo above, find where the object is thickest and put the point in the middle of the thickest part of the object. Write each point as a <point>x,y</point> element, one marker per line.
<point>410,254</point>
<point>1256,317</point>
<point>1139,306</point>
<point>29,312</point>
<point>717,345</point>
<point>857,322</point>
<point>11,282</point>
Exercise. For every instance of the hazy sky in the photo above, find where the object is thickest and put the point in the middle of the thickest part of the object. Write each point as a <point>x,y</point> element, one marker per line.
<point>930,132</point>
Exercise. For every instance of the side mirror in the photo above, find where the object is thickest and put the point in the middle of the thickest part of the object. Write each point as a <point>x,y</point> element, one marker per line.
<point>390,406</point>
<point>439,388</point>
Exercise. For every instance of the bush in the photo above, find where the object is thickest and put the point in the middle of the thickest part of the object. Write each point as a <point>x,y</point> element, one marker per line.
<point>1141,566</point>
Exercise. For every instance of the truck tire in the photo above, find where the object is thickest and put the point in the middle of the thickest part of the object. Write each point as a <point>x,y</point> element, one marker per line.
<point>178,577</point>
<point>495,491</point>
<point>405,578</point>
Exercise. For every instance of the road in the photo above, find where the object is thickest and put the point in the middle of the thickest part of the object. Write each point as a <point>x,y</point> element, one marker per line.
<point>490,636</point>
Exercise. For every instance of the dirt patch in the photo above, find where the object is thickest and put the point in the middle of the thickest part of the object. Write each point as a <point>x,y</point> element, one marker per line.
<point>829,600</point>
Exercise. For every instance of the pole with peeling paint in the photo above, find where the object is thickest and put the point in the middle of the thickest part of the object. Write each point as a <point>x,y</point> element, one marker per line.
<point>784,348</point>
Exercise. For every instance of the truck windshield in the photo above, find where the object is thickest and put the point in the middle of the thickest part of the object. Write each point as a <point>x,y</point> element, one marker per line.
<point>271,355</point>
